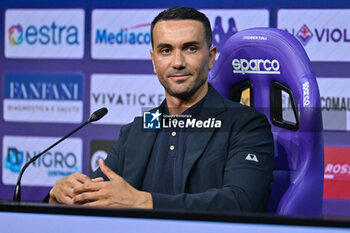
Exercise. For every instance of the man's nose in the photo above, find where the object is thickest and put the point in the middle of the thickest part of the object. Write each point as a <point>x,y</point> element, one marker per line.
<point>178,60</point>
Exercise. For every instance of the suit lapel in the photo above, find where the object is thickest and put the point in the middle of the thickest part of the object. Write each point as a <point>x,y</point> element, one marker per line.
<point>198,141</point>
<point>137,153</point>
<point>195,148</point>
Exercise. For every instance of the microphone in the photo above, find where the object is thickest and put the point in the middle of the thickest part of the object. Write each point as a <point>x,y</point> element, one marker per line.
<point>97,115</point>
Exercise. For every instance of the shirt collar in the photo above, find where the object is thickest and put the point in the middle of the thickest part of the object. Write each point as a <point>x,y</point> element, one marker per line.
<point>193,111</point>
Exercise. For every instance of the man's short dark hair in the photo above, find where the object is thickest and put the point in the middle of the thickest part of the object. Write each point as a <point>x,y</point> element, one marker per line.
<point>182,13</point>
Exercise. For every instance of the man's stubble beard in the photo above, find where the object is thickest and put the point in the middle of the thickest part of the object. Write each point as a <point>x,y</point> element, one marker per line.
<point>185,96</point>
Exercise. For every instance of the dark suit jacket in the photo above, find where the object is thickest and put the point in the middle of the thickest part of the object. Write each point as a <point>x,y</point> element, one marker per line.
<point>217,175</point>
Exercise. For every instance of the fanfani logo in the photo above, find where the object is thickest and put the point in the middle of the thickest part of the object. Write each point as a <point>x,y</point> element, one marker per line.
<point>124,36</point>
<point>256,66</point>
<point>219,36</point>
<point>304,34</point>
<point>16,35</point>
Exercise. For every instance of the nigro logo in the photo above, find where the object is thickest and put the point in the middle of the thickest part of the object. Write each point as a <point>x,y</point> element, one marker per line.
<point>63,160</point>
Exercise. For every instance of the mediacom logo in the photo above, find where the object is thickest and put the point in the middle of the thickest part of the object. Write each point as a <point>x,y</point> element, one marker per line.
<point>54,98</point>
<point>325,34</point>
<point>125,96</point>
<point>63,160</point>
<point>45,33</point>
<point>121,34</point>
<point>124,36</point>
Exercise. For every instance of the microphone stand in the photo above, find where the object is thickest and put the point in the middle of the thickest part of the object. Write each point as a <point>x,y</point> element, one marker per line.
<point>17,195</point>
<point>94,117</point>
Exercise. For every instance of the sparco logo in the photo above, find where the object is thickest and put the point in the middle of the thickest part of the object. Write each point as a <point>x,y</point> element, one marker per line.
<point>256,66</point>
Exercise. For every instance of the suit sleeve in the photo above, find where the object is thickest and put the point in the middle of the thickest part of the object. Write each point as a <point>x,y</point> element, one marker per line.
<point>246,176</point>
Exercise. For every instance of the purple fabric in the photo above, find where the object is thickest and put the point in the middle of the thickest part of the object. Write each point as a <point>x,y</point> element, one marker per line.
<point>297,188</point>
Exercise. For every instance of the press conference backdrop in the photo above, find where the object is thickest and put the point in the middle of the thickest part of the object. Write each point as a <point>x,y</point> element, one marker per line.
<point>62,60</point>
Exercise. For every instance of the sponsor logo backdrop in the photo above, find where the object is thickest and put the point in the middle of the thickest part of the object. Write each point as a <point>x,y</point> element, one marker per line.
<point>225,23</point>
<point>335,103</point>
<point>99,149</point>
<point>324,33</point>
<point>63,160</point>
<point>117,34</point>
<point>124,95</point>
<point>59,65</point>
<point>337,172</point>
<point>56,98</point>
<point>49,33</point>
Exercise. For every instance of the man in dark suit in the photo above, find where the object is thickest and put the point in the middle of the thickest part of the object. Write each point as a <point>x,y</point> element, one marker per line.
<point>224,162</point>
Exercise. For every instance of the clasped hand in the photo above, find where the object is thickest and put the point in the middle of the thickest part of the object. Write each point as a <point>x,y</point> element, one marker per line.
<point>80,189</point>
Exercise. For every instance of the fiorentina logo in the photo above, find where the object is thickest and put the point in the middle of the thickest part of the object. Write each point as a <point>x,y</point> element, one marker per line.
<point>304,35</point>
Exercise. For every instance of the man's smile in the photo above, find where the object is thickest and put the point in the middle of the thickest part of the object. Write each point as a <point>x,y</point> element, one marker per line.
<point>179,77</point>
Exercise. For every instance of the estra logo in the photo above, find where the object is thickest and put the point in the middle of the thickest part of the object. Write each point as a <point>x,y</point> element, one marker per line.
<point>16,35</point>
<point>45,33</point>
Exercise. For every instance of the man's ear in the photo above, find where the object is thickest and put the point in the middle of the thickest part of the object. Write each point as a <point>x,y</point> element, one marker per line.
<point>152,57</point>
<point>212,56</point>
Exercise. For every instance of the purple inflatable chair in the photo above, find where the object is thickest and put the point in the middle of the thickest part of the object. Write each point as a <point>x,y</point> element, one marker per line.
<point>275,68</point>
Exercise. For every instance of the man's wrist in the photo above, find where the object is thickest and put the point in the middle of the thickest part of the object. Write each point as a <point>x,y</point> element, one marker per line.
<point>146,200</point>
<point>52,200</point>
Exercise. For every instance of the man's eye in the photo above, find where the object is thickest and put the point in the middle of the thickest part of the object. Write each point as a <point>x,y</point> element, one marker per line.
<point>165,51</point>
<point>192,49</point>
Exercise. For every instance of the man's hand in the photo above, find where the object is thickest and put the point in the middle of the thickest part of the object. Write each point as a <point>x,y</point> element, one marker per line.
<point>115,192</point>
<point>63,193</point>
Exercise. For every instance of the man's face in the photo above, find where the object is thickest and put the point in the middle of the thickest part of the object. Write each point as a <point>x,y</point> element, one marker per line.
<point>181,57</point>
